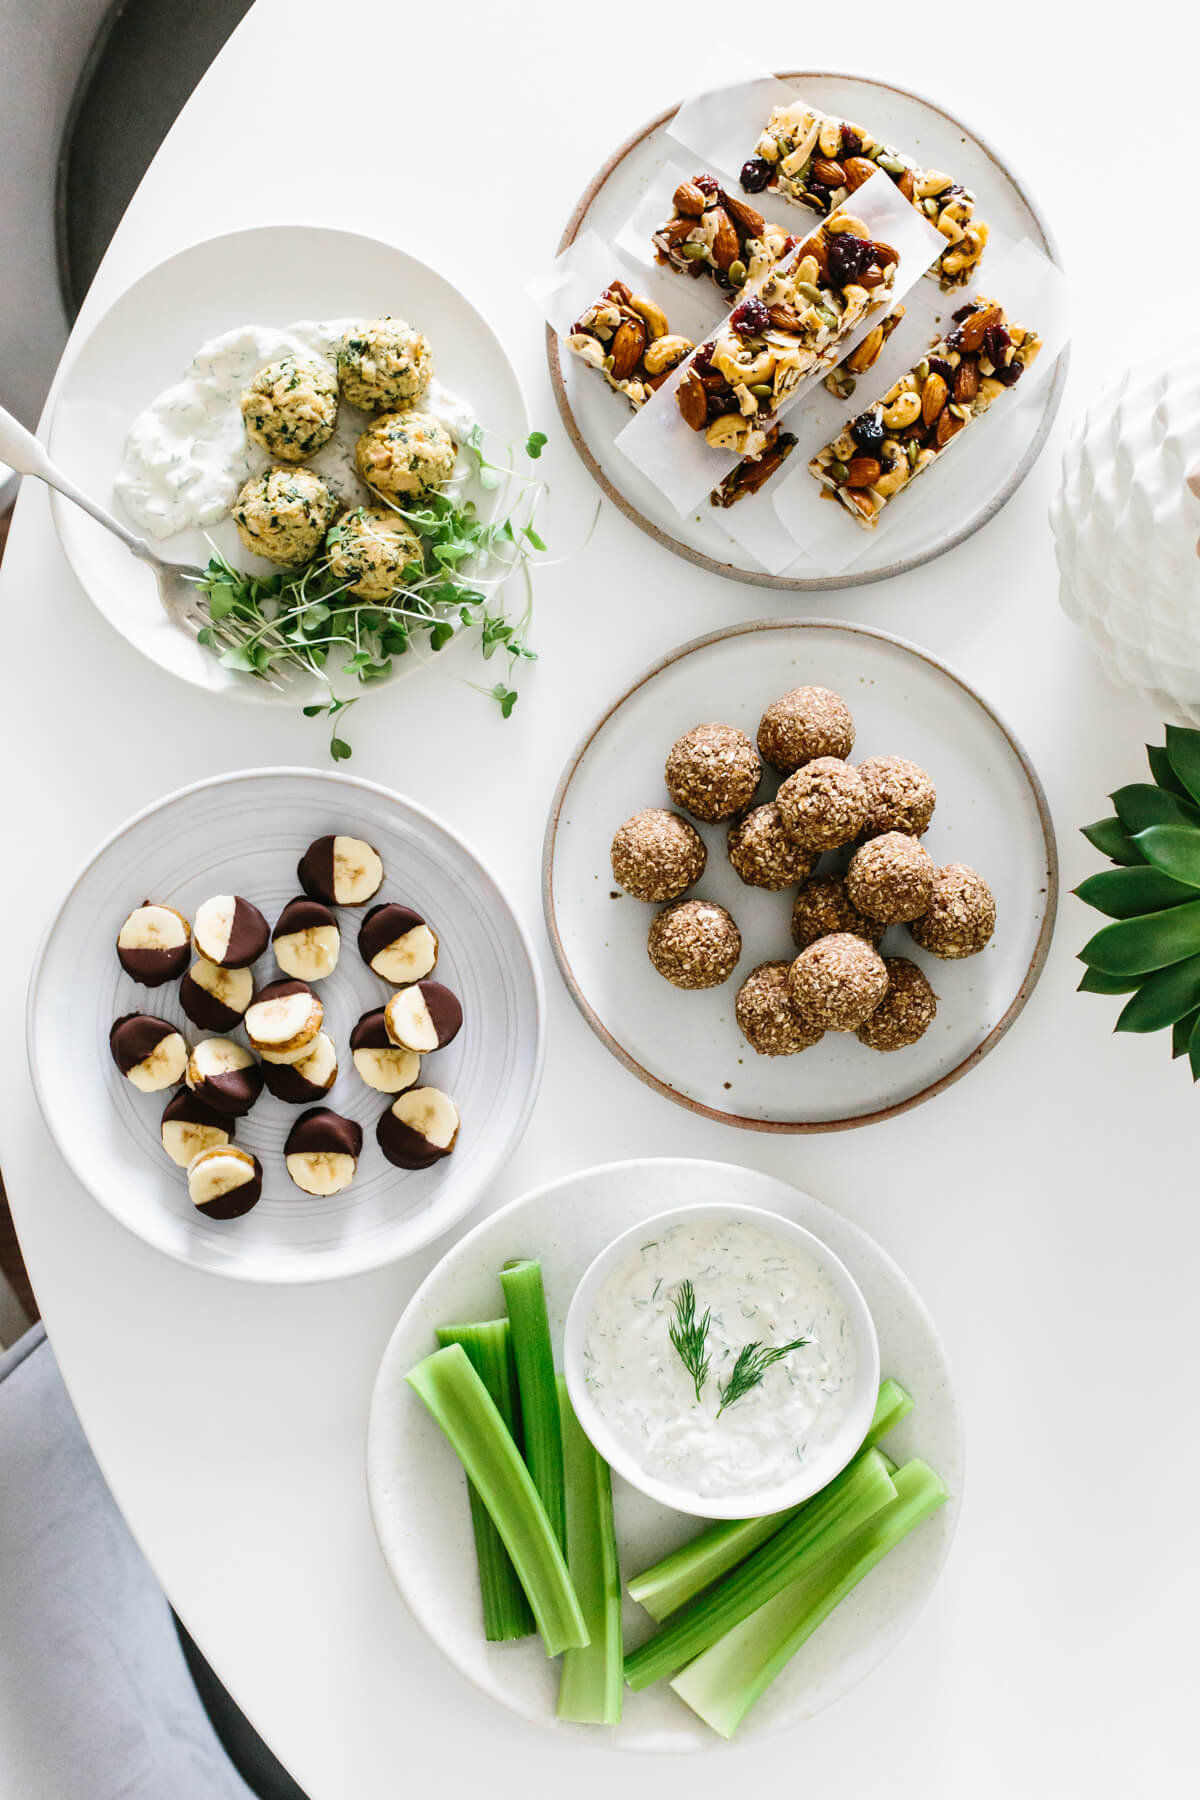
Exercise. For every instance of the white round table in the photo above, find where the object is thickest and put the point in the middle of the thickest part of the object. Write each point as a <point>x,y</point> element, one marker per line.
<point>1057,1653</point>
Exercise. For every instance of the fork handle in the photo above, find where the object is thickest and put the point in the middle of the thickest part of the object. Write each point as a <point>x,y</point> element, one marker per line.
<point>23,452</point>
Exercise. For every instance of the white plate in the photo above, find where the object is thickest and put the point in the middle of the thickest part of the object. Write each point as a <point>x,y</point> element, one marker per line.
<point>419,1502</point>
<point>594,416</point>
<point>272,275</point>
<point>244,834</point>
<point>991,813</point>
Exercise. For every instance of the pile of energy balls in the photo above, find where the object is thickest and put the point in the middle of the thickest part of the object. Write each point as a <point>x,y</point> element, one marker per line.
<point>878,809</point>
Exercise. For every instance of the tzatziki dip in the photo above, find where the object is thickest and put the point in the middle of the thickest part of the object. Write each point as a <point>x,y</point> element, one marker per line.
<point>759,1288</point>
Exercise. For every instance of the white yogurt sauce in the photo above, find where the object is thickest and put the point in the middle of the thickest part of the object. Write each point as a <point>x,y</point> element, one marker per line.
<point>760,1287</point>
<point>187,453</point>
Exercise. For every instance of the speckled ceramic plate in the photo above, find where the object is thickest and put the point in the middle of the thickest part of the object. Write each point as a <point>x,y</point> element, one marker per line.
<point>418,1499</point>
<point>991,813</point>
<point>594,416</point>
<point>244,834</point>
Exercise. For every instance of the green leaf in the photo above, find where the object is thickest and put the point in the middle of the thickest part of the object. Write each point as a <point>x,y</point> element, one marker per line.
<point>534,539</point>
<point>1166,997</point>
<point>506,698</point>
<point>1164,775</point>
<point>339,749</point>
<point>313,712</point>
<point>535,443</point>
<point>1181,1033</point>
<point>221,598</point>
<point>441,634</point>
<point>1194,1048</point>
<point>1095,982</point>
<point>238,659</point>
<point>1127,893</point>
<point>1138,946</point>
<point>1183,749</point>
<point>1110,837</point>
<point>1174,850</point>
<point>1139,806</point>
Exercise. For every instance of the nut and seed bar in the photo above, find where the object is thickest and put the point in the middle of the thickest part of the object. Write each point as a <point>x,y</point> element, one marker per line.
<point>841,381</point>
<point>790,324</point>
<point>885,448</point>
<point>628,340</point>
<point>817,160</point>
<point>711,232</point>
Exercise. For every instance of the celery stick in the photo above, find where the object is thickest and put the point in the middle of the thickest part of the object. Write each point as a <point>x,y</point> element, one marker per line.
<point>591,1690</point>
<point>696,1565</point>
<point>826,1523</point>
<point>723,1684</point>
<point>525,1298</point>
<point>467,1414</point>
<point>506,1613</point>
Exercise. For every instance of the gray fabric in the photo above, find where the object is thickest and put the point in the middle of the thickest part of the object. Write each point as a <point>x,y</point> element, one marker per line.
<point>95,1699</point>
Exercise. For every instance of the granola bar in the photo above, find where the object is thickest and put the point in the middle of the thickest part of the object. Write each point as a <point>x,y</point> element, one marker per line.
<point>885,448</point>
<point>790,324</point>
<point>628,340</point>
<point>818,160</point>
<point>712,233</point>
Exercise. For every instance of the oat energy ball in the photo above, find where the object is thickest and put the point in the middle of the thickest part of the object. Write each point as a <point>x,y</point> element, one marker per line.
<point>656,855</point>
<point>837,982</point>
<point>891,878</point>
<point>823,805</point>
<point>766,1017</point>
<point>808,722</point>
<point>823,907</point>
<point>961,916</point>
<point>900,796</point>
<point>371,549</point>
<point>764,855</point>
<point>403,455</point>
<point>694,944</point>
<point>713,771</point>
<point>383,364</point>
<point>284,515</point>
<point>906,1011</point>
<point>290,408</point>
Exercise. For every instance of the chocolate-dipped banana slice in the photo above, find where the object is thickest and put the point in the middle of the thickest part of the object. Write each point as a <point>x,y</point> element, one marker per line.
<point>309,1079</point>
<point>423,1017</point>
<point>224,1075</point>
<point>382,1064</point>
<point>154,943</point>
<point>213,998</point>
<point>149,1052</point>
<point>189,1126</point>
<point>306,940</point>
<point>322,1151</point>
<point>283,1019</point>
<point>225,1182</point>
<point>341,871</point>
<point>230,931</point>
<point>397,943</point>
<point>419,1128</point>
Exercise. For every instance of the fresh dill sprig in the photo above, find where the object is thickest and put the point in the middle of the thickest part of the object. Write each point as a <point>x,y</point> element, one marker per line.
<point>689,1335</point>
<point>753,1361</point>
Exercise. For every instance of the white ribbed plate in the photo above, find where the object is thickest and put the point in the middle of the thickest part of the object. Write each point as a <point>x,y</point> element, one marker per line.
<point>418,1496</point>
<point>244,834</point>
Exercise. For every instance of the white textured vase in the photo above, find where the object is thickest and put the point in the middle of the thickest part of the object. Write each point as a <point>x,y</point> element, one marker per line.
<point>1126,525</point>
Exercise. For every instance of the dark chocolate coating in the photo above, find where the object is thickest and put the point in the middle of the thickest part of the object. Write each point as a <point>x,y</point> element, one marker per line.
<point>444,1008</point>
<point>235,1092</point>
<point>238,1200</point>
<point>371,1032</point>
<point>135,1036</point>
<point>190,1109</point>
<point>324,1131</point>
<point>205,1010</point>
<point>315,870</point>
<point>302,915</point>
<point>383,925</point>
<point>249,938</point>
<point>153,968</point>
<point>275,990</point>
<point>285,1081</point>
<point>404,1147</point>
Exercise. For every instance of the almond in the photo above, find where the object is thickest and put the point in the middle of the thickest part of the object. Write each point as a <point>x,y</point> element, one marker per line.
<point>863,505</point>
<point>863,471</point>
<point>829,173</point>
<point>616,290</point>
<point>966,383</point>
<point>750,223</point>
<point>629,341</point>
<point>971,331</point>
<point>783,318</point>
<point>907,184</point>
<point>860,360</point>
<point>693,401</point>
<point>933,398</point>
<point>689,199</point>
<point>817,248</point>
<point>725,245</point>
<point>947,426</point>
<point>858,169</point>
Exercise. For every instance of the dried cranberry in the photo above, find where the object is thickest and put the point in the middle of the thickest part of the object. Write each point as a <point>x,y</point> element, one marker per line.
<point>867,431</point>
<point>851,142</point>
<point>849,256</point>
<point>1011,373</point>
<point>756,173</point>
<point>964,312</point>
<point>996,340</point>
<point>821,194</point>
<point>954,339</point>
<point>750,319</point>
<point>939,366</point>
<point>708,184</point>
<point>702,361</point>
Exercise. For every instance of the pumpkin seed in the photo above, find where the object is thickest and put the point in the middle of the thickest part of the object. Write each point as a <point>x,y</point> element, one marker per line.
<point>839,471</point>
<point>1108,836</point>
<point>1139,806</point>
<point>892,164</point>
<point>1128,893</point>
<point>1151,941</point>
<point>693,252</point>
<point>1183,749</point>
<point>1166,997</point>
<point>736,273</point>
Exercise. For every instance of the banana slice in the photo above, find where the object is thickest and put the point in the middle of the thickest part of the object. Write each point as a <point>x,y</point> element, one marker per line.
<point>224,1182</point>
<point>214,998</point>
<point>382,1064</point>
<point>189,1126</point>
<point>397,943</point>
<point>283,1019</point>
<point>150,1052</point>
<point>224,1075</point>
<point>230,931</point>
<point>341,871</point>
<point>309,1078</point>
<point>154,943</point>
<point>424,1017</point>
<point>306,940</point>
<point>419,1128</point>
<point>322,1151</point>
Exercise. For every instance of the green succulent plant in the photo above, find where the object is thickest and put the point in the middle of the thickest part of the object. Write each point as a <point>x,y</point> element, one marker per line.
<point>1151,949</point>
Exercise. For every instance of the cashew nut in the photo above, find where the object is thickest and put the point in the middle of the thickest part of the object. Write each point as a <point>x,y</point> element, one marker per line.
<point>654,316</point>
<point>731,432</point>
<point>905,412</point>
<point>665,352</point>
<point>587,349</point>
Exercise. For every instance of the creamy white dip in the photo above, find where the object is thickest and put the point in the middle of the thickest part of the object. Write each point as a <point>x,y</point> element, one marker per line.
<point>187,453</point>
<point>760,1286</point>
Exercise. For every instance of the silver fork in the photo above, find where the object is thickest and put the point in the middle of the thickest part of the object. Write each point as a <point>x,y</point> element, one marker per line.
<point>177,592</point>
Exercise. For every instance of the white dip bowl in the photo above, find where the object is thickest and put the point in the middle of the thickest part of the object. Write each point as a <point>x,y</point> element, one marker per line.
<point>765,1281</point>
